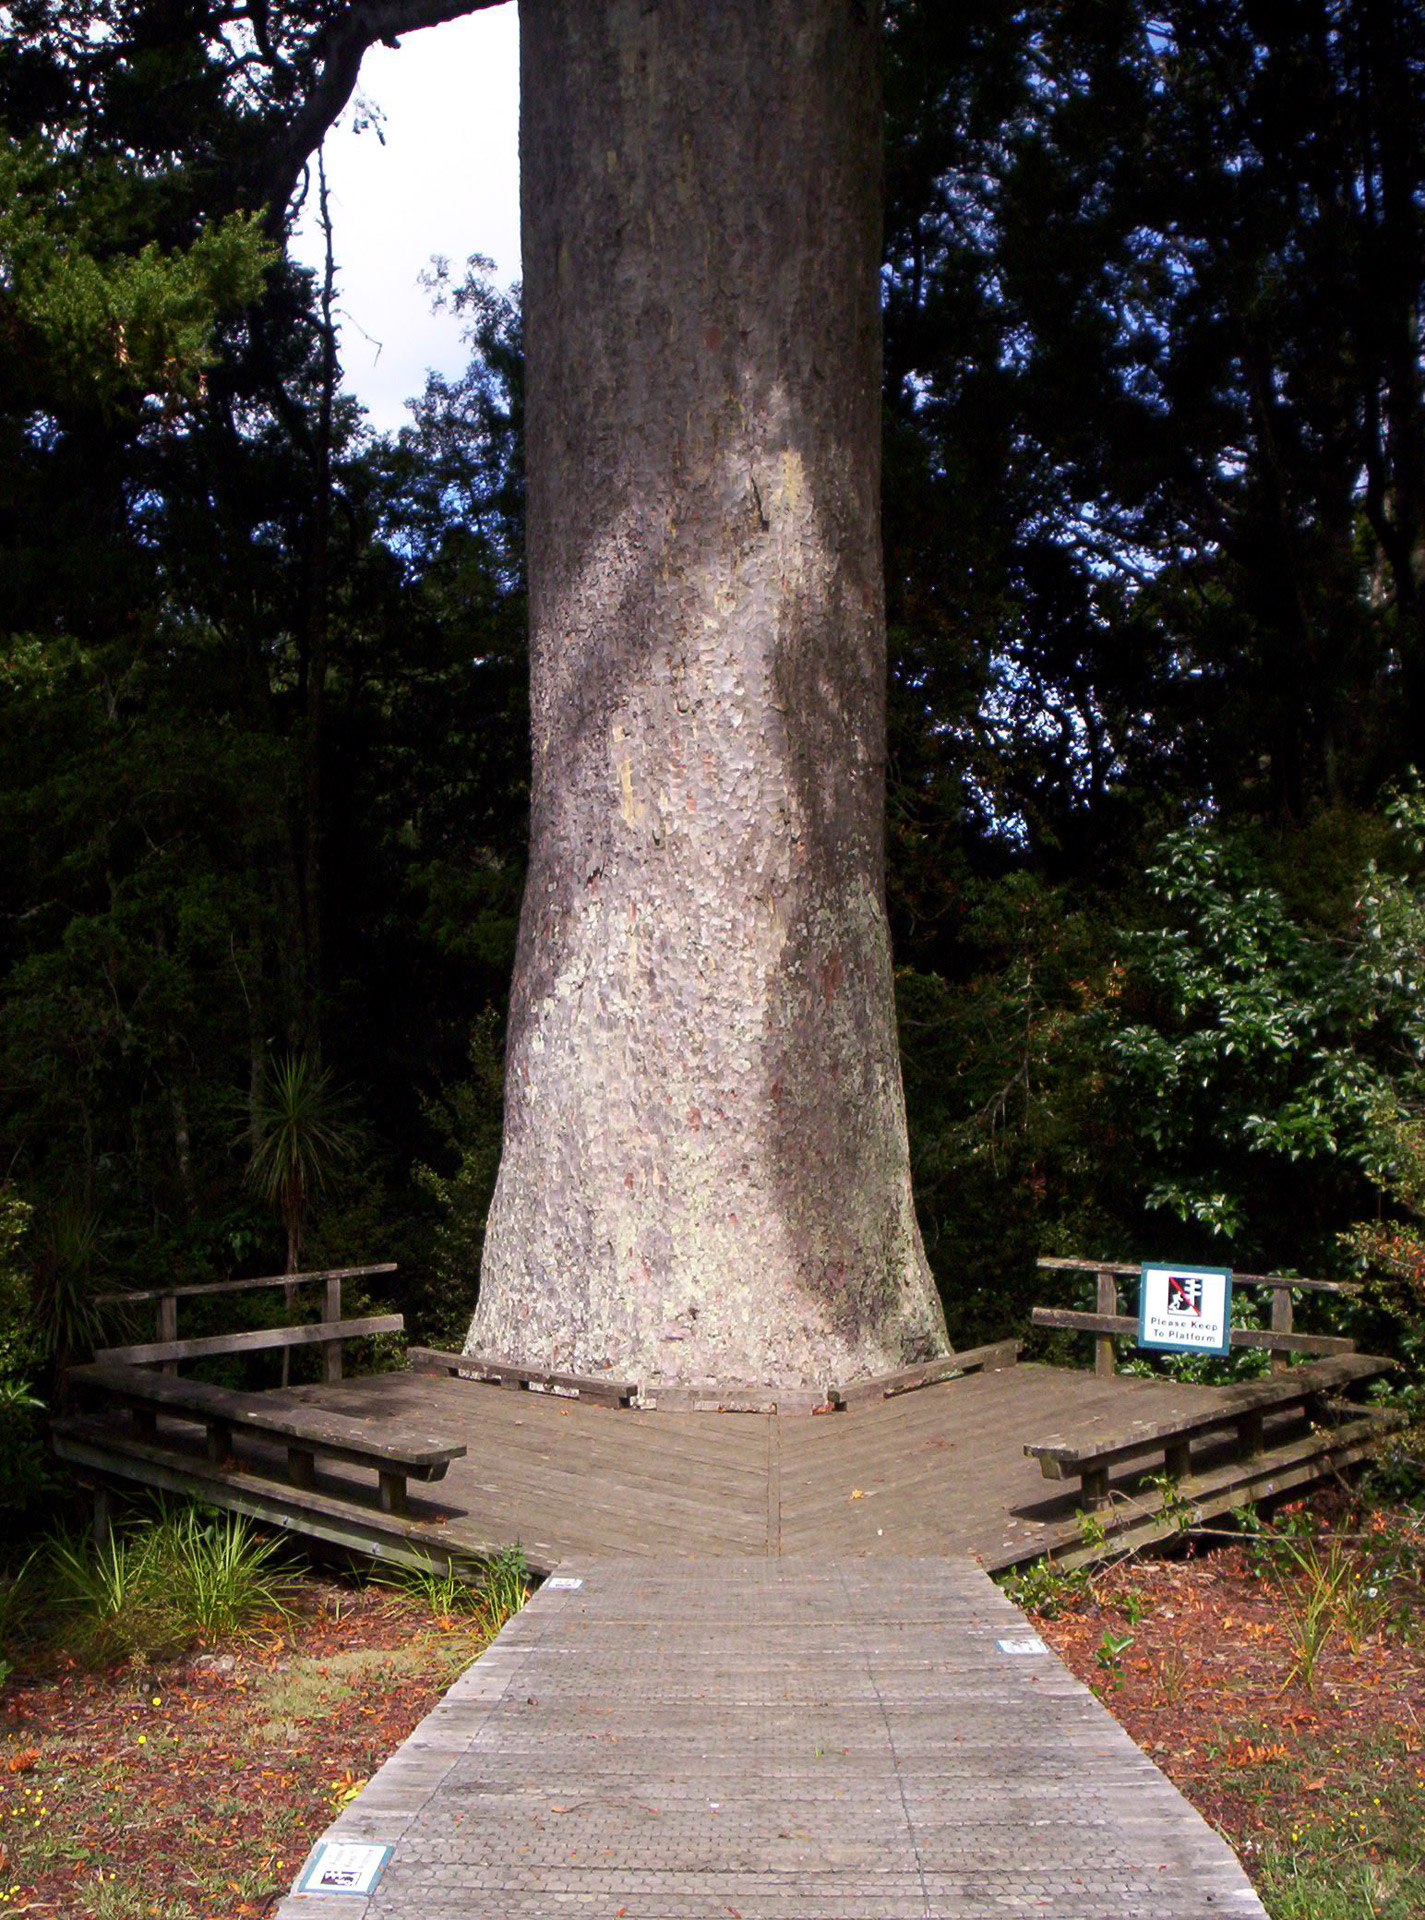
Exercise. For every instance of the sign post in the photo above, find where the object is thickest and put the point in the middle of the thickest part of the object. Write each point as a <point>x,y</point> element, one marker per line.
<point>1184,1309</point>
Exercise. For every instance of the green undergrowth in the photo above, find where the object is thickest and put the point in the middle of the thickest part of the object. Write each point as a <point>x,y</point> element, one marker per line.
<point>485,1600</point>
<point>1304,1745</point>
<point>1356,1842</point>
<point>179,1577</point>
<point>171,1579</point>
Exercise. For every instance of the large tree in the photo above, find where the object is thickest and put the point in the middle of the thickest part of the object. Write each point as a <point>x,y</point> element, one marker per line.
<point>705,1174</point>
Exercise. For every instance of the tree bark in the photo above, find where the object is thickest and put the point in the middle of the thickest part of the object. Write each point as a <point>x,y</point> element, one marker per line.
<point>705,1176</point>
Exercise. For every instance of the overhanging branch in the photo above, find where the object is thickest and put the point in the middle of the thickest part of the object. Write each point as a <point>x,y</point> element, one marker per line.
<point>336,58</point>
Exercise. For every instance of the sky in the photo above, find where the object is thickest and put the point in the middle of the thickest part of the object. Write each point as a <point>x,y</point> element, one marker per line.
<point>445,181</point>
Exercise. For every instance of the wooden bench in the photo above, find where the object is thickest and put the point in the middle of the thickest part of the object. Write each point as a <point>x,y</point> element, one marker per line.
<point>397,1453</point>
<point>1090,1457</point>
<point>508,1373</point>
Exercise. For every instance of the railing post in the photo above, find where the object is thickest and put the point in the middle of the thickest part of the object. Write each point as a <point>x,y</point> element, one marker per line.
<point>1281,1323</point>
<point>168,1324</point>
<point>1104,1359</point>
<point>331,1310</point>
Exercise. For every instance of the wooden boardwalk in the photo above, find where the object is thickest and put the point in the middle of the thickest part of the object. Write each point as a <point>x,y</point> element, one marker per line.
<point>804,1739</point>
<point>939,1471</point>
<point>779,1688</point>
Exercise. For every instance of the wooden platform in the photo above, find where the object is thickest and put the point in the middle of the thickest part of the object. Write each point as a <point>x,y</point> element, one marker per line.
<point>935,1472</point>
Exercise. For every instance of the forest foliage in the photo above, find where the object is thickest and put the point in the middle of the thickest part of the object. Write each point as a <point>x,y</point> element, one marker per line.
<point>1154,525</point>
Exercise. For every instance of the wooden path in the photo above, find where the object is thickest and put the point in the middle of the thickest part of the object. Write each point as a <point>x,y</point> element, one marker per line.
<point>802,1739</point>
<point>939,1471</point>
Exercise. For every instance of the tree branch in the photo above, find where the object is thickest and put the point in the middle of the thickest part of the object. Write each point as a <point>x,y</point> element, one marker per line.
<point>337,55</point>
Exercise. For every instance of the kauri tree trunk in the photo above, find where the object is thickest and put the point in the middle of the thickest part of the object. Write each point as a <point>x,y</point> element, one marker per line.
<point>705,1176</point>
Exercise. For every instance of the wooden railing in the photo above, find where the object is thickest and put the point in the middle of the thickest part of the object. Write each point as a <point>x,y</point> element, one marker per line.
<point>166,1350</point>
<point>1107,1324</point>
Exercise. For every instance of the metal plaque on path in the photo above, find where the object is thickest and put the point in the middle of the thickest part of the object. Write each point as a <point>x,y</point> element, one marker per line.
<point>344,1866</point>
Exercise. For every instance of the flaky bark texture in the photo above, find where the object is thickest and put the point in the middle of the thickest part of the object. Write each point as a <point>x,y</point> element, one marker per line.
<point>705,1175</point>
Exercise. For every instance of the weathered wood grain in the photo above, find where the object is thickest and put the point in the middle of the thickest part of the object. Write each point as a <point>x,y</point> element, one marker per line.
<point>1090,1455</point>
<point>488,1370</point>
<point>395,1453</point>
<point>1066,1319</point>
<point>930,1373</point>
<point>210,1346</point>
<point>1050,1263</point>
<point>139,1295</point>
<point>777,1740</point>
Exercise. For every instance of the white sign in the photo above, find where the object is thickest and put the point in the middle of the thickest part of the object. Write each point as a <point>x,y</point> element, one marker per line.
<point>1031,1643</point>
<point>1185,1309</point>
<point>563,1583</point>
<point>344,1866</point>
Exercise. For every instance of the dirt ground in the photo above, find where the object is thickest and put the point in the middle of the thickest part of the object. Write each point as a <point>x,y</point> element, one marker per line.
<point>1313,1769</point>
<point>195,1788</point>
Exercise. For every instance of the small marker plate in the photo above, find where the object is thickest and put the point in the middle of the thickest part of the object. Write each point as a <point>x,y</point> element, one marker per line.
<point>344,1866</point>
<point>1030,1643</point>
<point>563,1583</point>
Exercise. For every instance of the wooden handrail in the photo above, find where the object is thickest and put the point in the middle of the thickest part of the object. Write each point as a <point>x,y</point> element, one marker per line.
<point>1130,1267</point>
<point>241,1286</point>
<point>1107,1324</point>
<point>168,1298</point>
<point>210,1346</point>
<point>1278,1340</point>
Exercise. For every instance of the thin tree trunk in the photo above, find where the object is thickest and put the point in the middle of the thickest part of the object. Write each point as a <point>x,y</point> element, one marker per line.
<point>182,1141</point>
<point>318,636</point>
<point>289,1294</point>
<point>705,1174</point>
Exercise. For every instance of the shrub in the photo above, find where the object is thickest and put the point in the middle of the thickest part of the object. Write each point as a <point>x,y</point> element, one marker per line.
<point>168,1583</point>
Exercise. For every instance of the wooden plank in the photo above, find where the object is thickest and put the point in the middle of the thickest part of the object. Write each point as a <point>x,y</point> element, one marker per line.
<point>700,1400</point>
<point>507,1373</point>
<point>260,1340</point>
<point>168,1325</point>
<point>331,1313</point>
<point>1281,1323</point>
<point>1052,1264</point>
<point>1136,1521</point>
<point>1066,1319</point>
<point>400,1539</point>
<point>672,1455</point>
<point>1105,1360</point>
<point>929,1373</point>
<point>937,1472</point>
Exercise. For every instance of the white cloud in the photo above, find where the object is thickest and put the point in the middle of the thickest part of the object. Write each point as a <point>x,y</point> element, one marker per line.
<point>446,181</point>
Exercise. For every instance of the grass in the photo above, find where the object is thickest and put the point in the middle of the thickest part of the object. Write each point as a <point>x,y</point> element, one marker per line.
<point>1356,1843</point>
<point>494,1596</point>
<point>183,1579</point>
